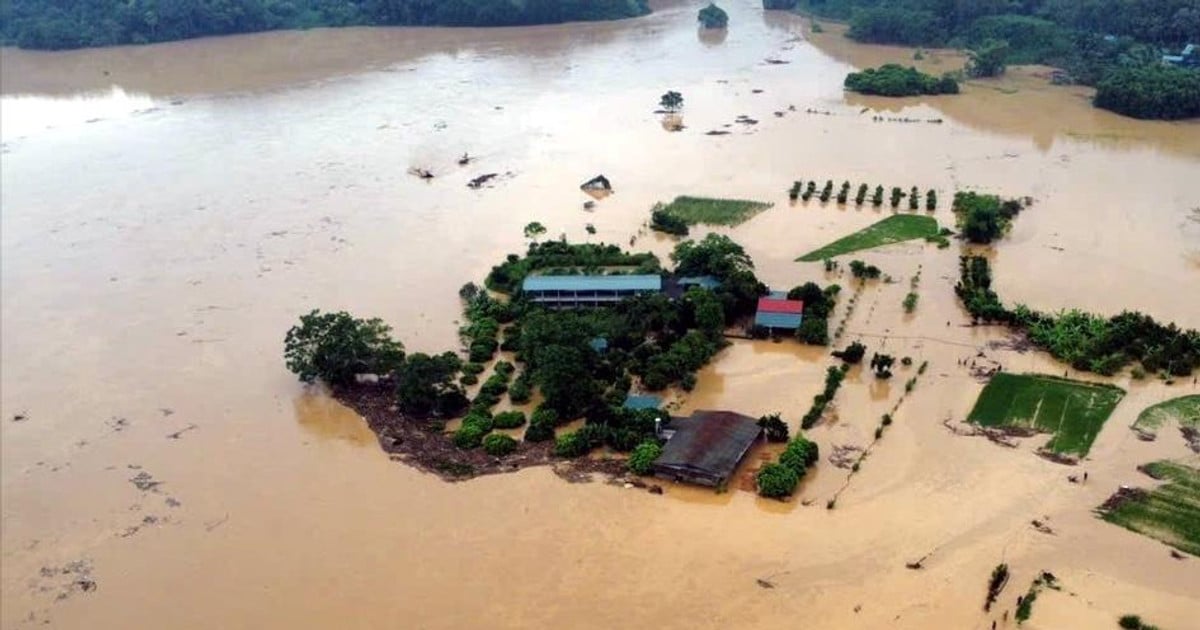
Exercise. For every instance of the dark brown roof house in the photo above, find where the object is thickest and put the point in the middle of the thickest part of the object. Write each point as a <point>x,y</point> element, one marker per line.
<point>706,448</point>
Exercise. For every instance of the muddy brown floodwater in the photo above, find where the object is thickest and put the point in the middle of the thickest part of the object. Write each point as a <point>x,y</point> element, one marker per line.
<point>168,211</point>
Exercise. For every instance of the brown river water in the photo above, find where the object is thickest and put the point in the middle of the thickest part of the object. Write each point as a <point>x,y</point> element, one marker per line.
<point>168,211</point>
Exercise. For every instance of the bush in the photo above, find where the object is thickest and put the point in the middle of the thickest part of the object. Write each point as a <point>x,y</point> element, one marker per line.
<point>800,454</point>
<point>777,481</point>
<point>508,419</point>
<point>521,391</point>
<point>663,221</point>
<point>643,456</point>
<point>469,436</point>
<point>813,331</point>
<point>713,16</point>
<point>572,444</point>
<point>499,445</point>
<point>853,353</point>
<point>887,419</point>
<point>896,80</point>
<point>482,350</point>
<point>774,427</point>
<point>468,379</point>
<point>539,432</point>
<point>473,368</point>
<point>1130,622</point>
<point>931,200</point>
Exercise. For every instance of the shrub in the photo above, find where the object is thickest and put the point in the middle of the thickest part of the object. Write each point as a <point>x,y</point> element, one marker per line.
<point>570,445</point>
<point>508,419</point>
<point>910,302</point>
<point>482,349</point>
<point>861,195</point>
<point>473,368</point>
<point>794,191</point>
<point>499,445</point>
<point>878,432</point>
<point>643,456</point>
<point>468,379</point>
<point>931,200</point>
<point>800,454</point>
<point>853,353</point>
<point>663,221</point>
<point>713,16</point>
<point>887,419</point>
<point>469,436</point>
<point>539,432</point>
<point>521,391</point>
<point>544,415</point>
<point>914,199</point>
<point>777,481</point>
<point>1130,622</point>
<point>775,428</point>
<point>813,331</point>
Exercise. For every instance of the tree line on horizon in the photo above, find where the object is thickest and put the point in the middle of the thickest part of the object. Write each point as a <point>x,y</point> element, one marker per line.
<point>65,24</point>
<point>1114,45</point>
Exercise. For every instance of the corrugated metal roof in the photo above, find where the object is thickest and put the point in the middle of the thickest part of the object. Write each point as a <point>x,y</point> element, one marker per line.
<point>706,282</point>
<point>710,441</point>
<point>633,401</point>
<point>593,283</point>
<point>773,305</point>
<point>789,321</point>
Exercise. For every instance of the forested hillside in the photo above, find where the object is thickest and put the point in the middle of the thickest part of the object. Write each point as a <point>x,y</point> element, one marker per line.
<point>1114,44</point>
<point>59,24</point>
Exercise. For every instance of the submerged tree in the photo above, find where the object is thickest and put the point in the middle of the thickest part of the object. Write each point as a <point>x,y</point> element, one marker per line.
<point>882,365</point>
<point>533,230</point>
<point>774,427</point>
<point>672,101</point>
<point>713,16</point>
<point>989,59</point>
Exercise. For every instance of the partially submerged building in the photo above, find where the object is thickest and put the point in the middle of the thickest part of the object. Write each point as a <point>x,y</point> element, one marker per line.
<point>642,401</point>
<point>582,291</point>
<point>779,313</point>
<point>707,447</point>
<point>1189,57</point>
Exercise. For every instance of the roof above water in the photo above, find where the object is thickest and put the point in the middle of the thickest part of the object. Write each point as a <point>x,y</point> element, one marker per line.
<point>774,305</point>
<point>593,283</point>
<point>707,282</point>
<point>634,401</point>
<point>711,441</point>
<point>790,321</point>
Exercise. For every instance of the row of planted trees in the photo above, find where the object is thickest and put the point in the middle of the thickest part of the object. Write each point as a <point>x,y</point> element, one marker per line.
<point>805,191</point>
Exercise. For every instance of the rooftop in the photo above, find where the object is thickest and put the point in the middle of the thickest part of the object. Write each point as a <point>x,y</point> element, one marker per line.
<point>593,283</point>
<point>634,401</point>
<point>775,305</point>
<point>790,321</point>
<point>707,447</point>
<point>706,282</point>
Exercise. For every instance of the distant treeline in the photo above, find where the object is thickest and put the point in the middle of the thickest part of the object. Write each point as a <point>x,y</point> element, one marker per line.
<point>1089,39</point>
<point>60,24</point>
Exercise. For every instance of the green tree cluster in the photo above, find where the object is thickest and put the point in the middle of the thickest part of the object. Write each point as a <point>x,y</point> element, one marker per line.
<point>1152,91</point>
<point>60,24</point>
<point>641,460</point>
<point>774,427</point>
<point>984,218</point>
<point>713,16</point>
<point>336,347</point>
<point>895,80</point>
<point>1087,342</point>
<point>833,380</point>
<point>778,480</point>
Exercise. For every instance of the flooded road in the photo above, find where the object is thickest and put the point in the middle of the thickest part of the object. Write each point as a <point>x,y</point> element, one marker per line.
<point>168,212</point>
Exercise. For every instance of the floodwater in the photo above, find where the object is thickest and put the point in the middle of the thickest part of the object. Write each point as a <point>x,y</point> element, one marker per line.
<point>168,211</point>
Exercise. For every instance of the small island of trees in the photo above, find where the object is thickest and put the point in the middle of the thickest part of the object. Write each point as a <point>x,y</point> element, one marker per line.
<point>896,80</point>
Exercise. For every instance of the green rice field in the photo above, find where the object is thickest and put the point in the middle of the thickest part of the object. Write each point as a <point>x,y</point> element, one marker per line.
<point>894,229</point>
<point>1185,410</point>
<point>1072,411</point>
<point>1169,513</point>
<point>698,210</point>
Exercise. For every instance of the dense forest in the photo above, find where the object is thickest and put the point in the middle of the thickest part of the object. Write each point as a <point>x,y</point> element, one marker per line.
<point>60,24</point>
<point>1091,40</point>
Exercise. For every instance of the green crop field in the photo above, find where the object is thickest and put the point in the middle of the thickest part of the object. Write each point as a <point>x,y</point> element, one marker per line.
<point>697,210</point>
<point>894,229</point>
<point>1169,513</point>
<point>1072,411</point>
<point>1185,410</point>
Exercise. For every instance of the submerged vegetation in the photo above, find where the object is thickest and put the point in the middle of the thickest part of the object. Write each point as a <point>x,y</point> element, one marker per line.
<point>1184,410</point>
<point>80,24</point>
<point>896,80</point>
<point>778,480</point>
<point>1169,513</point>
<point>984,218</point>
<point>713,16</point>
<point>1072,411</point>
<point>1088,342</point>
<point>1152,91</point>
<point>894,229</point>
<point>687,211</point>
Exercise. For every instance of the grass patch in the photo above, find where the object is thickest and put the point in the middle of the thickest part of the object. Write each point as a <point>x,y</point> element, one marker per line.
<point>894,229</point>
<point>1072,411</point>
<point>1169,513</point>
<point>1185,410</point>
<point>697,210</point>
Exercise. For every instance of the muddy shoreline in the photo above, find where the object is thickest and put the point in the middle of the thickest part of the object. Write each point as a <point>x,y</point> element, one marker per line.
<point>425,445</point>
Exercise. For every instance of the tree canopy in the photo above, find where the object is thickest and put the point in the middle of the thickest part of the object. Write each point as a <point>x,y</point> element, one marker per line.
<point>896,80</point>
<point>335,347</point>
<point>713,16</point>
<point>59,24</point>
<point>1153,91</point>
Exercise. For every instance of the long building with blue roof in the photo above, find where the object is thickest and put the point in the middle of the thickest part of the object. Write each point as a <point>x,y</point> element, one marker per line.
<point>577,291</point>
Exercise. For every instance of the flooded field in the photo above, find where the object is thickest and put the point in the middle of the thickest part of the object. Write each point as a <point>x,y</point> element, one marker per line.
<point>168,211</point>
